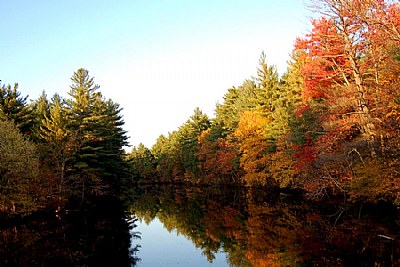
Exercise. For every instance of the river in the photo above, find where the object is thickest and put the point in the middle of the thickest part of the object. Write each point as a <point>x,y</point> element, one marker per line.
<point>208,226</point>
<point>181,226</point>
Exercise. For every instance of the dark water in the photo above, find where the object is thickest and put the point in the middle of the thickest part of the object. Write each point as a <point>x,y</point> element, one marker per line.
<point>97,237</point>
<point>178,226</point>
<point>242,227</point>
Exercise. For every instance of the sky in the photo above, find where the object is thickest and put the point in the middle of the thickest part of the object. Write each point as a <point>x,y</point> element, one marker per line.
<point>159,59</point>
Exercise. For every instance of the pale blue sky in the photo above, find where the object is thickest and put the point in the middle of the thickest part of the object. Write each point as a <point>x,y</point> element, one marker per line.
<point>159,59</point>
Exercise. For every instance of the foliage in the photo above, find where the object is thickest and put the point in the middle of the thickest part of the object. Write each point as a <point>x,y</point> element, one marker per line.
<point>217,158</point>
<point>254,148</point>
<point>175,155</point>
<point>143,163</point>
<point>318,125</point>
<point>19,171</point>
<point>78,147</point>
<point>94,126</point>
<point>14,106</point>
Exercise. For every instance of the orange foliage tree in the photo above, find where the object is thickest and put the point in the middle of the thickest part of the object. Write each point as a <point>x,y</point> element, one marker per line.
<point>350,74</point>
<point>217,158</point>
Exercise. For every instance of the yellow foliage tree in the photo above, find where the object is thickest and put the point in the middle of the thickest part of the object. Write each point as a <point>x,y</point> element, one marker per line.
<point>254,147</point>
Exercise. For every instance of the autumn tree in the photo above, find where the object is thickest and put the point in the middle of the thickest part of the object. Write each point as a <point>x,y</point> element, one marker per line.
<point>60,146</point>
<point>218,158</point>
<point>347,87</point>
<point>254,147</point>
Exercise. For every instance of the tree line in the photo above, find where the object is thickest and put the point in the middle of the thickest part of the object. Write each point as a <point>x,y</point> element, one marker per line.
<point>328,126</point>
<point>61,151</point>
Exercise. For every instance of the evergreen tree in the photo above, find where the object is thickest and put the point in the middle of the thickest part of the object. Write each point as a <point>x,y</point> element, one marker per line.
<point>111,138</point>
<point>40,110</point>
<point>143,163</point>
<point>83,115</point>
<point>267,86</point>
<point>167,157</point>
<point>236,101</point>
<point>188,135</point>
<point>14,106</point>
<point>96,128</point>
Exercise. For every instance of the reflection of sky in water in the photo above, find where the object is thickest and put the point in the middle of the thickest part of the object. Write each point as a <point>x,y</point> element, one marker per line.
<point>161,248</point>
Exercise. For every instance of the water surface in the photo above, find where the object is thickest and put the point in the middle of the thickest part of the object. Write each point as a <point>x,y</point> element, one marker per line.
<point>244,227</point>
<point>159,247</point>
<point>189,226</point>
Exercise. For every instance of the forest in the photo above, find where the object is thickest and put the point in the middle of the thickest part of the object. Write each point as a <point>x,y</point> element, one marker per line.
<point>59,153</point>
<point>329,126</point>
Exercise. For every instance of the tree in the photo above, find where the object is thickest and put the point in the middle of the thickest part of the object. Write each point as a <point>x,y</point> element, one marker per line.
<point>254,147</point>
<point>83,117</point>
<point>188,135</point>
<point>60,145</point>
<point>14,106</point>
<point>95,126</point>
<point>166,153</point>
<point>218,159</point>
<point>143,163</point>
<point>268,91</point>
<point>112,139</point>
<point>236,101</point>
<point>40,110</point>
<point>348,65</point>
<point>19,171</point>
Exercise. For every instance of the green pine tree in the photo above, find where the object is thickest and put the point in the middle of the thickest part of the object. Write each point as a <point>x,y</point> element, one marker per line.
<point>14,106</point>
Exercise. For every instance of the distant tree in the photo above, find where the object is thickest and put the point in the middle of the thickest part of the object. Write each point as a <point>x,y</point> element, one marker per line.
<point>167,157</point>
<point>143,163</point>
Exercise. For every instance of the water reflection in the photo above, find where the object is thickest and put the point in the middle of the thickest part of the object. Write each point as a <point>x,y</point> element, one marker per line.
<point>158,247</point>
<point>256,229</point>
<point>97,237</point>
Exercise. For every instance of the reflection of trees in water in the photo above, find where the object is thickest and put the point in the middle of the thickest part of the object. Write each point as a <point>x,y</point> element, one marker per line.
<point>259,229</point>
<point>273,233</point>
<point>97,237</point>
<point>131,219</point>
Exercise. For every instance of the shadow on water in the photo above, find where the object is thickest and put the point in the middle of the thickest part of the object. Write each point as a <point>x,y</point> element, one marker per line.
<point>254,228</point>
<point>96,237</point>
